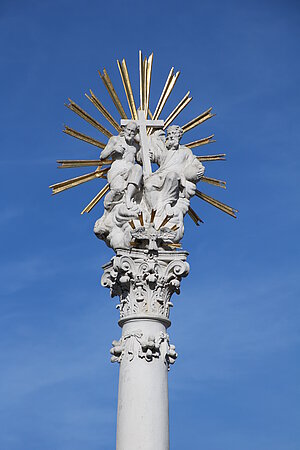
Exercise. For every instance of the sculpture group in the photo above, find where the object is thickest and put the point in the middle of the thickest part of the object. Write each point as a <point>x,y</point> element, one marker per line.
<point>147,210</point>
<point>150,180</point>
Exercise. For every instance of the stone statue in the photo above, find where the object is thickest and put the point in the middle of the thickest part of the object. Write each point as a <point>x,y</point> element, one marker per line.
<point>164,193</point>
<point>169,189</point>
<point>124,176</point>
<point>151,179</point>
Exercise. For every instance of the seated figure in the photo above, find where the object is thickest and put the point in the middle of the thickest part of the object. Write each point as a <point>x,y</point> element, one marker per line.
<point>124,176</point>
<point>175,180</point>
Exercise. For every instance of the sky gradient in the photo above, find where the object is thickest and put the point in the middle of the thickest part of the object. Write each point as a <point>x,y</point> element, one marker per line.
<point>235,384</point>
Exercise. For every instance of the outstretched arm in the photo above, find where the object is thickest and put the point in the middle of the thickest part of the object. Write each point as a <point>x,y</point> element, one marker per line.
<point>113,148</point>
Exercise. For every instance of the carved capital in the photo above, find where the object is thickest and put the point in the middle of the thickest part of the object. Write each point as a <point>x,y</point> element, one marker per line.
<point>145,282</point>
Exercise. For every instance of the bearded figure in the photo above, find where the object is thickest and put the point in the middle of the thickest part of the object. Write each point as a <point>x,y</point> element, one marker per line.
<point>169,189</point>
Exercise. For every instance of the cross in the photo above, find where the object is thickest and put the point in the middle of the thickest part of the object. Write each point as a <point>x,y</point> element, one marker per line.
<point>143,123</point>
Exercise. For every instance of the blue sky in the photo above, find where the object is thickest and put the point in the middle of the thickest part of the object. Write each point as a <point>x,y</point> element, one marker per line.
<point>236,324</point>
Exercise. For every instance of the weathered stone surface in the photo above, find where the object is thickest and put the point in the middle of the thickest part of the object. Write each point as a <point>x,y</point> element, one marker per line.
<point>145,209</point>
<point>145,281</point>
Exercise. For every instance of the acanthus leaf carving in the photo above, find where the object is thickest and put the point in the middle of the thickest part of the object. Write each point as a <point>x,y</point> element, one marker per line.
<point>144,283</point>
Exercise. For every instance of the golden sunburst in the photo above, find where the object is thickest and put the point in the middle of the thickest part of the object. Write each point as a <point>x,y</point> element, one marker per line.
<point>102,167</point>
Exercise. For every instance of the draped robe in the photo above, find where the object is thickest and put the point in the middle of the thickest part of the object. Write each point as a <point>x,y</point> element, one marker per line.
<point>176,176</point>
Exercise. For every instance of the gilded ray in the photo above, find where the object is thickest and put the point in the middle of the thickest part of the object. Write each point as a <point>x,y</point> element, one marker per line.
<point>199,142</point>
<point>214,181</point>
<point>164,222</point>
<point>145,64</point>
<point>145,70</point>
<point>194,216</point>
<point>141,73</point>
<point>111,90</point>
<point>96,102</point>
<point>141,218</point>
<point>162,95</point>
<point>70,163</point>
<point>148,81</point>
<point>84,115</point>
<point>153,213</point>
<point>83,137</point>
<point>217,204</point>
<point>72,182</point>
<point>127,87</point>
<point>177,110</point>
<point>175,245</point>
<point>145,73</point>
<point>167,89</point>
<point>198,120</point>
<point>220,157</point>
<point>166,95</point>
<point>95,200</point>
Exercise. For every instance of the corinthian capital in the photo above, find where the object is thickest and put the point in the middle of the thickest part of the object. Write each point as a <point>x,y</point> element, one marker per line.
<point>145,283</point>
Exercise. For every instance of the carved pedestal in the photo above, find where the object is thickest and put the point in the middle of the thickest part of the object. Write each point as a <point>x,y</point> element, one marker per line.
<point>144,282</point>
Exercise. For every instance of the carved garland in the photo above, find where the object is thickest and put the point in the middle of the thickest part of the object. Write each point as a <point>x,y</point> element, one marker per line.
<point>136,344</point>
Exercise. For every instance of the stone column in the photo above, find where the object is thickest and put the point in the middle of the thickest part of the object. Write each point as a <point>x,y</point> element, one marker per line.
<point>144,282</point>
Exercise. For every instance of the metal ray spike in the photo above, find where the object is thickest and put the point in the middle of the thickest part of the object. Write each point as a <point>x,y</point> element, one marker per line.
<point>174,245</point>
<point>111,90</point>
<point>96,102</point>
<point>72,182</point>
<point>95,200</point>
<point>71,163</point>
<point>177,110</point>
<point>167,94</point>
<point>148,83</point>
<point>163,92</point>
<point>153,213</point>
<point>197,120</point>
<point>199,142</point>
<point>194,216</point>
<point>145,85</point>
<point>168,87</point>
<point>141,218</point>
<point>217,204</point>
<point>220,157</point>
<point>84,115</point>
<point>141,73</point>
<point>127,87</point>
<point>214,181</point>
<point>164,222</point>
<point>83,137</point>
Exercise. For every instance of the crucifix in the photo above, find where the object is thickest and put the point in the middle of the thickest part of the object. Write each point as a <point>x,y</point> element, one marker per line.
<point>143,123</point>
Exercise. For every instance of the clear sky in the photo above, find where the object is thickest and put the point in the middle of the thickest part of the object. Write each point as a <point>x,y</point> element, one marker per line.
<point>235,385</point>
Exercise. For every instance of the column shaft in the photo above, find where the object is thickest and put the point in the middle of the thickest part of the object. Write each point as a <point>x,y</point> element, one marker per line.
<point>143,409</point>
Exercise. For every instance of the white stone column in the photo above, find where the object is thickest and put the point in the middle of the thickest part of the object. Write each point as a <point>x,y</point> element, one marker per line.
<point>145,282</point>
<point>143,407</point>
